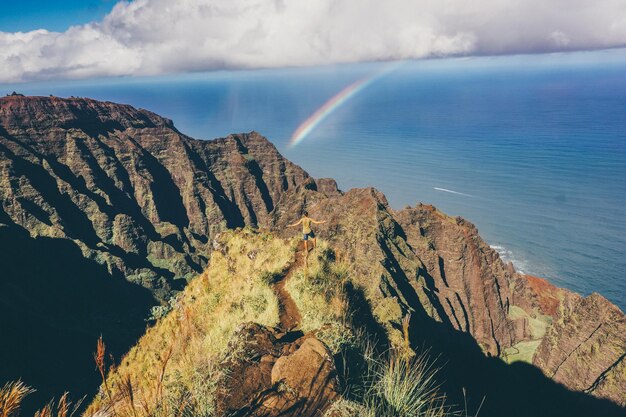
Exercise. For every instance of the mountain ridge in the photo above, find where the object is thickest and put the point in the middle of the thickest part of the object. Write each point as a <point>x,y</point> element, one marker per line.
<point>142,202</point>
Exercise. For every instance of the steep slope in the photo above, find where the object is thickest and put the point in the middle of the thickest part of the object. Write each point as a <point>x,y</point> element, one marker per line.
<point>436,268</point>
<point>206,358</point>
<point>105,207</point>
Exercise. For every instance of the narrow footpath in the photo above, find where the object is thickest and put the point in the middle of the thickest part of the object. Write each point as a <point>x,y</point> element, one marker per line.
<point>288,311</point>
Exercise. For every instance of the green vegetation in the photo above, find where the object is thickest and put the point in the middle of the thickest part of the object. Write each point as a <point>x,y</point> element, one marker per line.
<point>525,351</point>
<point>522,351</point>
<point>538,325</point>
<point>391,385</point>
<point>401,387</point>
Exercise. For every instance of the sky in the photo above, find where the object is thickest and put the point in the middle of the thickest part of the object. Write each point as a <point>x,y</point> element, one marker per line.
<point>54,15</point>
<point>82,39</point>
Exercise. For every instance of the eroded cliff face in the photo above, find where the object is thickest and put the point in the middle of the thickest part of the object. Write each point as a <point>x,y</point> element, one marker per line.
<point>436,268</point>
<point>417,261</point>
<point>137,198</point>
<point>585,347</point>
<point>130,190</point>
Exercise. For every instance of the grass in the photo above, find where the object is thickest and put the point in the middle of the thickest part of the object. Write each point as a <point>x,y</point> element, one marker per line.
<point>522,351</point>
<point>392,385</point>
<point>396,383</point>
<point>11,396</point>
<point>525,351</point>
<point>538,325</point>
<point>319,293</point>
<point>174,367</point>
<point>404,388</point>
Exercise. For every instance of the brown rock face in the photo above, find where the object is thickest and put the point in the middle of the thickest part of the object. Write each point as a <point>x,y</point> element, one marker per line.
<point>276,375</point>
<point>585,348</point>
<point>420,259</point>
<point>129,189</point>
<point>472,283</point>
<point>544,295</point>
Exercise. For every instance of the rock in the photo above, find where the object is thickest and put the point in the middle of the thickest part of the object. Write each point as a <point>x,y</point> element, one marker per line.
<point>276,376</point>
<point>535,292</point>
<point>327,186</point>
<point>307,376</point>
<point>467,277</point>
<point>585,348</point>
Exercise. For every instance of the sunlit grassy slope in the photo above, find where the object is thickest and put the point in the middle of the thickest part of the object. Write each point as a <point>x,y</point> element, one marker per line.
<point>175,364</point>
<point>174,368</point>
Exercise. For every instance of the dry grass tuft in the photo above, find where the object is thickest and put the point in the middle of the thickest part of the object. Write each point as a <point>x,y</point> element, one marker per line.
<point>13,393</point>
<point>390,384</point>
<point>11,397</point>
<point>62,408</point>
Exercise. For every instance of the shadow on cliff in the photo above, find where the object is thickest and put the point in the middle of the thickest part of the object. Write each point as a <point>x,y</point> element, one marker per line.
<point>516,390</point>
<point>54,304</point>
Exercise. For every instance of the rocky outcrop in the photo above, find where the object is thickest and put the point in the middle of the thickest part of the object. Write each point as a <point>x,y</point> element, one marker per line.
<point>130,190</point>
<point>468,279</point>
<point>585,347</point>
<point>422,262</point>
<point>276,374</point>
<point>417,261</point>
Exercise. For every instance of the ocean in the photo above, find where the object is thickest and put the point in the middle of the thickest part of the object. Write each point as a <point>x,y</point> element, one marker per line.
<point>531,149</point>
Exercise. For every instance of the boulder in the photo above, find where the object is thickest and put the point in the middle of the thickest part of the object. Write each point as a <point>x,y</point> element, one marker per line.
<point>274,373</point>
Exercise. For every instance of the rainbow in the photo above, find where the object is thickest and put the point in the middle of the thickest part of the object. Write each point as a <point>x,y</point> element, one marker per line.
<point>334,103</point>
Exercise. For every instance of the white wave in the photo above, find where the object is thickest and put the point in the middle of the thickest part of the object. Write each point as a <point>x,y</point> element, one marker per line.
<point>452,192</point>
<point>521,265</point>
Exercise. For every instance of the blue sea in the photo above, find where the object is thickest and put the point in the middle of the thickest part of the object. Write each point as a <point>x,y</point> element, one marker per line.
<point>531,149</point>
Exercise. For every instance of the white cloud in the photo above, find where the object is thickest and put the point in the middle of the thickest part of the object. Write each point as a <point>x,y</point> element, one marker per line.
<point>560,39</point>
<point>164,36</point>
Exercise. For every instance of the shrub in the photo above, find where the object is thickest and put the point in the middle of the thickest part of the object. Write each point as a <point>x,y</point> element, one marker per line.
<point>401,387</point>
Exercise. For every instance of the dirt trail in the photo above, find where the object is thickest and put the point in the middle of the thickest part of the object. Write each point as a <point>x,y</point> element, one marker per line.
<point>288,311</point>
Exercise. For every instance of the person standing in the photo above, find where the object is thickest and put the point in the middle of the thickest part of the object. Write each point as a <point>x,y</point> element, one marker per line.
<point>307,231</point>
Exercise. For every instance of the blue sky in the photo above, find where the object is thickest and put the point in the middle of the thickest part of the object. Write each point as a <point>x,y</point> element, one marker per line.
<point>56,15</point>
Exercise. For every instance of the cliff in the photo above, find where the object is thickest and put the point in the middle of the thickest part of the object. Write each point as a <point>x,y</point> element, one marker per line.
<point>130,190</point>
<point>107,209</point>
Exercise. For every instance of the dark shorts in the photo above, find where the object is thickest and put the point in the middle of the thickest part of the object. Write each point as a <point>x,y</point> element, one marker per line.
<point>308,236</point>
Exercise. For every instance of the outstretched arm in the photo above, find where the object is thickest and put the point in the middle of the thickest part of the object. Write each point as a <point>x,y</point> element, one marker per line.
<point>316,222</point>
<point>295,224</point>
